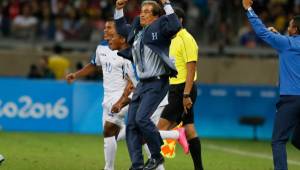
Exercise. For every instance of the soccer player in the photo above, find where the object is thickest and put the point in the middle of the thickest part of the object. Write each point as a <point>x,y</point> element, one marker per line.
<point>288,108</point>
<point>149,36</point>
<point>183,91</point>
<point>116,88</point>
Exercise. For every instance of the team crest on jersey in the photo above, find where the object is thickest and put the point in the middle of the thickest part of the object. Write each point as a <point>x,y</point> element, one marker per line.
<point>154,36</point>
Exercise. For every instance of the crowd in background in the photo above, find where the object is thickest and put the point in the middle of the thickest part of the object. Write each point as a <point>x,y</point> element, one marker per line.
<point>212,22</point>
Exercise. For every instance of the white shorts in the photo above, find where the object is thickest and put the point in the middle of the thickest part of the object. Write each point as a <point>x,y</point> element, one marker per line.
<point>156,115</point>
<point>115,118</point>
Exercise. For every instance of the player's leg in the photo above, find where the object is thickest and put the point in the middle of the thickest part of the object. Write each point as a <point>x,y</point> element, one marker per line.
<point>170,114</point>
<point>296,136</point>
<point>165,134</point>
<point>194,145</point>
<point>110,144</point>
<point>121,120</point>
<point>285,121</point>
<point>122,134</point>
<point>193,141</point>
<point>112,126</point>
<point>191,133</point>
<point>171,117</point>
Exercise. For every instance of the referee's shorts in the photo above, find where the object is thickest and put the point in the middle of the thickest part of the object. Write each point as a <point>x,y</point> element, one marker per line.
<point>174,111</point>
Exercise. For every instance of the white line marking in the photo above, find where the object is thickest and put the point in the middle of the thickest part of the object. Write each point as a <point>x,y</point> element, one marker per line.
<point>246,153</point>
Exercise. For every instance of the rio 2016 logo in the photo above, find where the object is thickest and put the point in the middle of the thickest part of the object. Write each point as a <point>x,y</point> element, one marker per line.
<point>26,108</point>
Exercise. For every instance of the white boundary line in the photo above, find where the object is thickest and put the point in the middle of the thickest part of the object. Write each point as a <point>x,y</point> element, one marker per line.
<point>246,153</point>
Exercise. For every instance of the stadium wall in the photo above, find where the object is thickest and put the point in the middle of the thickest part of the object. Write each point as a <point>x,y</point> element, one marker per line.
<point>54,106</point>
<point>218,70</point>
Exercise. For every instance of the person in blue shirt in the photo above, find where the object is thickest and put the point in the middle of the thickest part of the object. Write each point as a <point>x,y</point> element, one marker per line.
<point>287,117</point>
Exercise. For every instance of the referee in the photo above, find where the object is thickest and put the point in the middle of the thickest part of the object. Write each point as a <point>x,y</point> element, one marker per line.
<point>288,108</point>
<point>183,91</point>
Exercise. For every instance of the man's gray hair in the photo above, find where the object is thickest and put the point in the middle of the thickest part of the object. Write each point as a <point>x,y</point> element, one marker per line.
<point>156,10</point>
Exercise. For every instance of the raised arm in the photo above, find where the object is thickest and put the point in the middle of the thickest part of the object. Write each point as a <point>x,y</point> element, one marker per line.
<point>170,23</point>
<point>274,39</point>
<point>123,28</point>
<point>85,71</point>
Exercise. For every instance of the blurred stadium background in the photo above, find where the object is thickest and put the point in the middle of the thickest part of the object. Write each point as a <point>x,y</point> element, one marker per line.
<point>42,40</point>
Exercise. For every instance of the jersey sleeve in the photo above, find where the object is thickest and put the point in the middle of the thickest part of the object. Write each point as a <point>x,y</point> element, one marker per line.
<point>95,58</point>
<point>189,48</point>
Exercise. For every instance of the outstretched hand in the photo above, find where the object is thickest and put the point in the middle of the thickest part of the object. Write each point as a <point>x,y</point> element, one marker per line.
<point>247,4</point>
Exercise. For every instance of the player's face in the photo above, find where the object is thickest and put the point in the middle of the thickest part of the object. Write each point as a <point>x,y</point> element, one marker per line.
<point>109,30</point>
<point>116,42</point>
<point>292,29</point>
<point>146,16</point>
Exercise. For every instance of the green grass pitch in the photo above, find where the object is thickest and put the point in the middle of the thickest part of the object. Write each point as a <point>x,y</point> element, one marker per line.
<point>42,151</point>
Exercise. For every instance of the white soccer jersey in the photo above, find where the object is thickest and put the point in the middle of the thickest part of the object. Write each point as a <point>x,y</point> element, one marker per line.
<point>115,69</point>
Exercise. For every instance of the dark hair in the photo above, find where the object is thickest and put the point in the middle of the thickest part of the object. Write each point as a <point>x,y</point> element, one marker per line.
<point>110,19</point>
<point>297,23</point>
<point>180,14</point>
<point>157,10</point>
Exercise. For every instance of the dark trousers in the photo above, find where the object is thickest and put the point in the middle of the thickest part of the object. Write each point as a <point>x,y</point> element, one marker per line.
<point>286,119</point>
<point>145,100</point>
<point>296,137</point>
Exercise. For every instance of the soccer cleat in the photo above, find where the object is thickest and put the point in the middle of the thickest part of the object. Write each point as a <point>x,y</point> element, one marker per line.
<point>153,163</point>
<point>1,159</point>
<point>182,140</point>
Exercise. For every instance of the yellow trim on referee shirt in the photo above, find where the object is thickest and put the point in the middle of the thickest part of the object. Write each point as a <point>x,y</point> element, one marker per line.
<point>183,49</point>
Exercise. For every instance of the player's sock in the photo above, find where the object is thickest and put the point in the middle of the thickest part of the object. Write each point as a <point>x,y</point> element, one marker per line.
<point>169,134</point>
<point>122,134</point>
<point>110,148</point>
<point>195,149</point>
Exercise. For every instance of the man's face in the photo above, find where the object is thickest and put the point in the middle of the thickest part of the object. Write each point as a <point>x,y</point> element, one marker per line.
<point>109,30</point>
<point>116,42</point>
<point>146,15</point>
<point>292,29</point>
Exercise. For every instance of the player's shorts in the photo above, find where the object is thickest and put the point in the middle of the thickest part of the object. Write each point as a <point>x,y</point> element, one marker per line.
<point>115,118</point>
<point>156,115</point>
<point>174,111</point>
